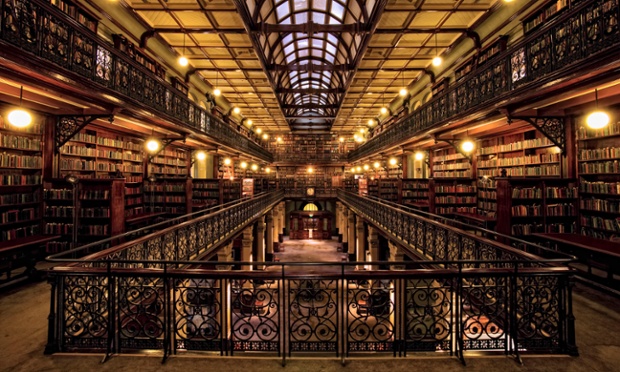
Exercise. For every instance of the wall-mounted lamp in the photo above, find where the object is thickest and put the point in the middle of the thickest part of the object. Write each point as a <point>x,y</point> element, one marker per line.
<point>393,161</point>
<point>376,165</point>
<point>366,167</point>
<point>201,155</point>
<point>468,146</point>
<point>244,165</point>
<point>267,170</point>
<point>341,139</point>
<point>19,117</point>
<point>254,167</point>
<point>227,161</point>
<point>352,169</point>
<point>152,145</point>
<point>419,155</point>
<point>597,119</point>
<point>237,110</point>
<point>259,131</point>
<point>310,170</point>
<point>265,136</point>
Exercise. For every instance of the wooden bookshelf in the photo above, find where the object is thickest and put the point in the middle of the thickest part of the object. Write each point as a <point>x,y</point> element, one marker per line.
<point>415,193</point>
<point>21,163</point>
<point>170,163</point>
<point>598,165</point>
<point>205,193</point>
<point>528,206</point>
<point>447,163</point>
<point>547,11</point>
<point>389,189</point>
<point>172,196</point>
<point>527,154</point>
<point>81,15</point>
<point>96,153</point>
<point>247,188</point>
<point>449,196</point>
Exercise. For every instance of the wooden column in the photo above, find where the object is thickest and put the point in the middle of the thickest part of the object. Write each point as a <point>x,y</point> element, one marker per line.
<point>343,222</point>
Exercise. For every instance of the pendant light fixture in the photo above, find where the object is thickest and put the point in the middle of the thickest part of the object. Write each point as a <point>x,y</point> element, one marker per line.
<point>182,59</point>
<point>437,60</point>
<point>216,92</point>
<point>403,91</point>
<point>597,119</point>
<point>19,117</point>
<point>384,110</point>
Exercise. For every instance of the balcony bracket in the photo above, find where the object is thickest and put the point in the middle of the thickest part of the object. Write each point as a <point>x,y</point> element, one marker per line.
<point>455,143</point>
<point>164,143</point>
<point>68,126</point>
<point>552,127</point>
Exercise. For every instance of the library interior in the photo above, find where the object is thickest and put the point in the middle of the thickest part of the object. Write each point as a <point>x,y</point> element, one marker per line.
<point>246,184</point>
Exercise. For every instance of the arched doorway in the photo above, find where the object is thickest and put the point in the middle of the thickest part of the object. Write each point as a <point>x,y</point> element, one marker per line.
<point>311,223</point>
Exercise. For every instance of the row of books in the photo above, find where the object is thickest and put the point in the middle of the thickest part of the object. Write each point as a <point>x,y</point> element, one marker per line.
<point>455,199</point>
<point>563,209</point>
<point>600,153</point>
<point>19,215</point>
<point>455,189</point>
<point>526,210</point>
<point>600,187</point>
<point>165,199</point>
<point>454,166</point>
<point>600,205</point>
<point>20,232</point>
<point>19,179</point>
<point>19,142</point>
<point>611,129</point>
<point>8,160</point>
<point>612,225</point>
<point>453,174</point>
<point>165,188</point>
<point>19,198</point>
<point>561,192</point>
<point>516,146</point>
<point>610,167</point>
<point>527,193</point>
<point>521,160</point>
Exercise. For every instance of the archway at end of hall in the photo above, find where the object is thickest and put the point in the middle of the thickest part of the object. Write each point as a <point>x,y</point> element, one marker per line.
<point>311,222</point>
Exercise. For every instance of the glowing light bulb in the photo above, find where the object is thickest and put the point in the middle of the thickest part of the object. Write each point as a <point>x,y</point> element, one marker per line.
<point>254,167</point>
<point>419,155</point>
<point>227,161</point>
<point>217,92</point>
<point>236,110</point>
<point>200,155</point>
<point>366,167</point>
<point>371,122</point>
<point>359,169</point>
<point>259,131</point>
<point>384,110</point>
<point>183,61</point>
<point>267,170</point>
<point>403,92</point>
<point>597,120</point>
<point>19,118</point>
<point>265,136</point>
<point>352,169</point>
<point>152,145</point>
<point>393,161</point>
<point>244,165</point>
<point>310,170</point>
<point>341,139</point>
<point>437,61</point>
<point>376,164</point>
<point>467,146</point>
<point>250,122</point>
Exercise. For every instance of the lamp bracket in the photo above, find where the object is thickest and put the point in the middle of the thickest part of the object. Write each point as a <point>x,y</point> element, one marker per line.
<point>552,127</point>
<point>455,144</point>
<point>164,143</point>
<point>67,126</point>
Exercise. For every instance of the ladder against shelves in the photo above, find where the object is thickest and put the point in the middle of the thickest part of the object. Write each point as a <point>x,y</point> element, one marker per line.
<point>598,166</point>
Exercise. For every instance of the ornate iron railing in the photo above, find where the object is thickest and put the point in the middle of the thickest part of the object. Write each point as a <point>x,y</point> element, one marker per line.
<point>187,238</point>
<point>41,29</point>
<point>284,311</point>
<point>588,30</point>
<point>433,240</point>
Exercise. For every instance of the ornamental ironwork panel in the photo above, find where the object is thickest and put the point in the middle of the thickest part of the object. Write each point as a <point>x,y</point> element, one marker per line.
<point>55,40</point>
<point>370,316</point>
<point>20,24</point>
<point>428,315</point>
<point>104,67</point>
<point>141,312</point>
<point>82,55</point>
<point>198,315</point>
<point>539,305</point>
<point>484,313</point>
<point>85,313</point>
<point>255,315</point>
<point>312,317</point>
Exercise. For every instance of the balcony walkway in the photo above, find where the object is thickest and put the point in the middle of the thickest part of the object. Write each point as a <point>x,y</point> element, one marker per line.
<point>23,332</point>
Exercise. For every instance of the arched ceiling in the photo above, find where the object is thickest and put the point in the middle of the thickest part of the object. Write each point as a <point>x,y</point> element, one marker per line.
<point>310,65</point>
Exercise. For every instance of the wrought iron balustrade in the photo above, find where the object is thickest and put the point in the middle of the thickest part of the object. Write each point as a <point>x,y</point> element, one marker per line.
<point>39,28</point>
<point>433,240</point>
<point>589,30</point>
<point>283,311</point>
<point>186,239</point>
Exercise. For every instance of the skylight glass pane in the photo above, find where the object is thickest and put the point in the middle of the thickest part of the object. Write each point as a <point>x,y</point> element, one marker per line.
<point>334,21</point>
<point>318,18</point>
<point>290,58</point>
<point>337,10</point>
<point>332,39</point>
<point>287,39</point>
<point>302,44</point>
<point>331,49</point>
<point>301,18</point>
<point>329,58</point>
<point>289,49</point>
<point>317,43</point>
<point>301,4</point>
<point>303,53</point>
<point>320,4</point>
<point>286,21</point>
<point>283,10</point>
<point>316,53</point>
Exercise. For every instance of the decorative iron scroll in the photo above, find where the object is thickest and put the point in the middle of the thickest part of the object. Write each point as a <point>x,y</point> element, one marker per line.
<point>68,126</point>
<point>552,127</point>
